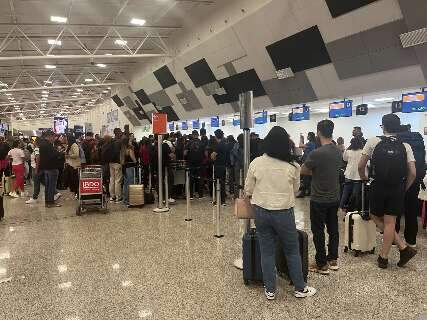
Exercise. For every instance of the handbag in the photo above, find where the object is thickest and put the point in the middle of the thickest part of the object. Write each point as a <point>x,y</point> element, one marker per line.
<point>243,208</point>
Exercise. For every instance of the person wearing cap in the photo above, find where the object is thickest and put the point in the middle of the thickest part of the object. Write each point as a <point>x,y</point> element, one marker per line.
<point>387,198</point>
<point>49,159</point>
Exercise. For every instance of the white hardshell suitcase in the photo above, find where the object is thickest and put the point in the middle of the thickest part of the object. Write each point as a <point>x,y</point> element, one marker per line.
<point>360,234</point>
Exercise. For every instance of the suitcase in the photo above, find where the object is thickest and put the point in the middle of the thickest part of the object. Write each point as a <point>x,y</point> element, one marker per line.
<point>281,265</point>
<point>360,231</point>
<point>252,271</point>
<point>136,192</point>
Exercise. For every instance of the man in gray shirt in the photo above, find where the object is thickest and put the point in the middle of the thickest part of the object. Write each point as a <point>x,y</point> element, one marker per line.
<point>324,164</point>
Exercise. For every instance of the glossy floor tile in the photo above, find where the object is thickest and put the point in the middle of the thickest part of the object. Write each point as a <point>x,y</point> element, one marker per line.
<point>136,264</point>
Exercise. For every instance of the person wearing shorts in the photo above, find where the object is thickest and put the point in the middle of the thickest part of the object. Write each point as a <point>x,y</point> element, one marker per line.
<point>387,201</point>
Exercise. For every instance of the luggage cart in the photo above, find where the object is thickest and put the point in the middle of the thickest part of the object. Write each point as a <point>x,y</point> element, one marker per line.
<point>91,195</point>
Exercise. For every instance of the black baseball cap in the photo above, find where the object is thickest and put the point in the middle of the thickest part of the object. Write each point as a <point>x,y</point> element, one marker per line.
<point>391,123</point>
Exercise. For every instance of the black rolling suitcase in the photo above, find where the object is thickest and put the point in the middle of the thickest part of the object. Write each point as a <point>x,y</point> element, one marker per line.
<point>252,271</point>
<point>281,265</point>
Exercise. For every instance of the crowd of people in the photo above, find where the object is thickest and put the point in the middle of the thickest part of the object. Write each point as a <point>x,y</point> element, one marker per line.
<point>395,165</point>
<point>280,171</point>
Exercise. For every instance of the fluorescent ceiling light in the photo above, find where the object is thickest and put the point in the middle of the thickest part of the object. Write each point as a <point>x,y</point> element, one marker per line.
<point>139,22</point>
<point>45,95</point>
<point>121,42</point>
<point>21,114</point>
<point>105,91</point>
<point>88,80</point>
<point>101,65</point>
<point>44,99</point>
<point>45,92</point>
<point>8,94</point>
<point>48,82</point>
<point>11,98</point>
<point>384,99</point>
<point>54,42</point>
<point>108,54</point>
<point>93,100</point>
<point>79,90</point>
<point>42,111</point>
<point>58,19</point>
<point>49,66</point>
<point>3,84</point>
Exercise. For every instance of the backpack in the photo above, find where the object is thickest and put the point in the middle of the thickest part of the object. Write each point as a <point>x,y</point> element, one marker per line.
<point>389,161</point>
<point>416,141</point>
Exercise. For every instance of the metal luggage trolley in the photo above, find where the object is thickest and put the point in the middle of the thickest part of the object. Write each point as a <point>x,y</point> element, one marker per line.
<point>91,195</point>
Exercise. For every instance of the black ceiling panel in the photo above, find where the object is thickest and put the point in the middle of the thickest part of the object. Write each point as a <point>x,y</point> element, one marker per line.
<point>128,101</point>
<point>143,97</point>
<point>165,77</point>
<point>118,101</point>
<point>139,112</point>
<point>340,7</point>
<point>172,116</point>
<point>200,73</point>
<point>301,51</point>
<point>239,83</point>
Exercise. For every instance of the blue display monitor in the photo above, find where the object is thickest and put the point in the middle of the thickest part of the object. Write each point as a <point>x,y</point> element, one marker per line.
<point>414,102</point>
<point>171,126</point>
<point>184,125</point>
<point>300,113</point>
<point>341,109</point>
<point>196,124</point>
<point>236,122</point>
<point>215,122</point>
<point>261,117</point>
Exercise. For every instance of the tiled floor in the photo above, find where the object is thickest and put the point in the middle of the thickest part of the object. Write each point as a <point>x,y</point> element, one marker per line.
<point>135,264</point>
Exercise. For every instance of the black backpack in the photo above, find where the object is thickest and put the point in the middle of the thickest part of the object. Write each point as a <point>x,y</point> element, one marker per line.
<point>416,141</point>
<point>107,153</point>
<point>389,161</point>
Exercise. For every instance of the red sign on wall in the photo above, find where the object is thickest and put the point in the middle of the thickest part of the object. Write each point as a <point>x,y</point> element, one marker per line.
<point>90,186</point>
<point>160,121</point>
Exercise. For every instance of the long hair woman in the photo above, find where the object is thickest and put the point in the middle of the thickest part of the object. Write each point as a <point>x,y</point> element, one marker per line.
<point>72,164</point>
<point>271,182</point>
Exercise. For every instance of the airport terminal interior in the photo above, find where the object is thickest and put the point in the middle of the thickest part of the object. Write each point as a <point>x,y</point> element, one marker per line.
<point>213,159</point>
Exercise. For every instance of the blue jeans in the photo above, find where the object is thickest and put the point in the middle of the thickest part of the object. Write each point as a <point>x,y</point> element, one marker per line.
<point>128,179</point>
<point>352,189</point>
<point>278,225</point>
<point>51,178</point>
<point>36,184</point>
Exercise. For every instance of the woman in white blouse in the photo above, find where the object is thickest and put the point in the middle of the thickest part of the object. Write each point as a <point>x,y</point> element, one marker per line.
<point>353,185</point>
<point>272,181</point>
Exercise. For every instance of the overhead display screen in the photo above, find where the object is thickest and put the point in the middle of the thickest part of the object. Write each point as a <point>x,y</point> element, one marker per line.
<point>341,109</point>
<point>196,124</point>
<point>215,122</point>
<point>60,125</point>
<point>414,102</point>
<point>171,126</point>
<point>300,113</point>
<point>184,125</point>
<point>261,117</point>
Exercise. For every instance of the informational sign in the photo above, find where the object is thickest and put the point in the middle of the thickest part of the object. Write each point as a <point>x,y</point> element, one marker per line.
<point>184,125</point>
<point>60,125</point>
<point>159,121</point>
<point>300,113</point>
<point>414,102</point>
<point>215,122</point>
<point>90,186</point>
<point>261,117</point>
<point>196,124</point>
<point>341,109</point>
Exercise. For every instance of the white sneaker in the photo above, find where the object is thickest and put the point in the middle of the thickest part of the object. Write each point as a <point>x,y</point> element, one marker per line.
<point>14,195</point>
<point>57,196</point>
<point>171,200</point>
<point>270,295</point>
<point>31,201</point>
<point>414,246</point>
<point>307,292</point>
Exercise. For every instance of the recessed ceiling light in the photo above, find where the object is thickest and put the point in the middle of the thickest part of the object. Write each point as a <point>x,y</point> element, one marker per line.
<point>49,66</point>
<point>384,99</point>
<point>101,65</point>
<point>139,22</point>
<point>88,80</point>
<point>109,88</point>
<point>21,114</point>
<point>54,42</point>
<point>121,42</point>
<point>58,19</point>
